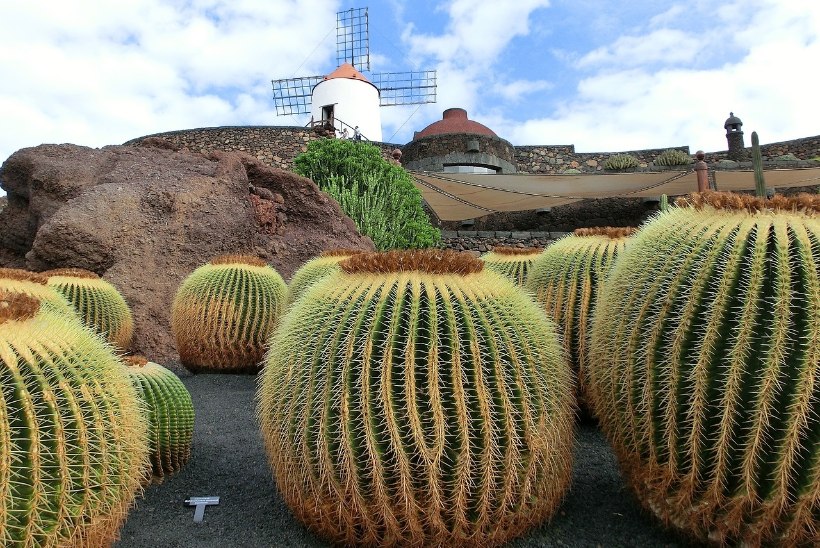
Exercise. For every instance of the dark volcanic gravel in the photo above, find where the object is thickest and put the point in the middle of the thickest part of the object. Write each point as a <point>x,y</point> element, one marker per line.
<point>229,461</point>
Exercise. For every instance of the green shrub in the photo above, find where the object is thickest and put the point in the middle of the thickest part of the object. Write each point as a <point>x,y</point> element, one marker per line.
<point>379,196</point>
<point>673,157</point>
<point>620,161</point>
<point>787,158</point>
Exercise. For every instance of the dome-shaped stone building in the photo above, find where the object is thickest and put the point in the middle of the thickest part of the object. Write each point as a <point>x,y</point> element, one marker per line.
<point>456,144</point>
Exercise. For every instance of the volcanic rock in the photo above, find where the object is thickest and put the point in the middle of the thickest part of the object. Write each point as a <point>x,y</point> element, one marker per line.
<point>145,217</point>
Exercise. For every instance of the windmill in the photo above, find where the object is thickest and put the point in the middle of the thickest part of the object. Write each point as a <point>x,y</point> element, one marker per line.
<point>346,99</point>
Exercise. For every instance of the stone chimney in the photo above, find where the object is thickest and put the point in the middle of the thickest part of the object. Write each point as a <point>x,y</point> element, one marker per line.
<point>734,136</point>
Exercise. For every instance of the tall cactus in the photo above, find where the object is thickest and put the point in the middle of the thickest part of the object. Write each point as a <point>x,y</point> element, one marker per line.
<point>169,412</point>
<point>35,285</point>
<point>757,164</point>
<point>224,312</point>
<point>565,280</point>
<point>512,262</point>
<point>99,304</point>
<point>417,399</point>
<point>704,357</point>
<point>73,445</point>
<point>315,269</point>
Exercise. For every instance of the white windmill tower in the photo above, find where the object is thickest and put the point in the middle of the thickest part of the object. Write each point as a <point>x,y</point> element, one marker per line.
<point>346,99</point>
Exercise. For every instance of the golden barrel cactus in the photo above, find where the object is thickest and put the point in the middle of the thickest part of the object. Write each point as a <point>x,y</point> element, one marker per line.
<point>565,280</point>
<point>513,262</point>
<point>98,303</point>
<point>35,285</point>
<point>224,312</point>
<point>704,362</point>
<point>73,447</point>
<point>169,412</point>
<point>316,269</point>
<point>417,399</point>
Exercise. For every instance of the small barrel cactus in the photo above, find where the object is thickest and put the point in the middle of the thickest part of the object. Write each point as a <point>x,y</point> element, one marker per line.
<point>704,354</point>
<point>617,162</point>
<point>316,269</point>
<point>35,285</point>
<point>512,262</point>
<point>169,412</point>
<point>673,157</point>
<point>224,312</point>
<point>99,304</point>
<point>565,281</point>
<point>73,447</point>
<point>417,399</point>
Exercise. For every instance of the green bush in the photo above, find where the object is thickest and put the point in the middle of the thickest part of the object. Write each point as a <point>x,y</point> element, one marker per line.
<point>673,157</point>
<point>620,161</point>
<point>380,197</point>
<point>787,158</point>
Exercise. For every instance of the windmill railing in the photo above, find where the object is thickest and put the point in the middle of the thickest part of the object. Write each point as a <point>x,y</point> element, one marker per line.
<point>337,127</point>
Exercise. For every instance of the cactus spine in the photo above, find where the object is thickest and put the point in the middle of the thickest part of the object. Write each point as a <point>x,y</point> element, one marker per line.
<point>416,399</point>
<point>512,262</point>
<point>98,303</point>
<point>316,269</point>
<point>224,312</point>
<point>73,445</point>
<point>565,281</point>
<point>36,286</point>
<point>703,367</point>
<point>169,413</point>
<point>757,163</point>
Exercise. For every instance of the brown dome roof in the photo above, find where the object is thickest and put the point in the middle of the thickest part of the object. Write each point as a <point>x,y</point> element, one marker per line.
<point>454,120</point>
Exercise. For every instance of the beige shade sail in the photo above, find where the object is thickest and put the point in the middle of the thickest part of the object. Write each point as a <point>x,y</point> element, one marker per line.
<point>459,196</point>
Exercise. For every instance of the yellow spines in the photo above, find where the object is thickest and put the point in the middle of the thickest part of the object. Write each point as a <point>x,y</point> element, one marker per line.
<point>513,262</point>
<point>223,313</point>
<point>565,280</point>
<point>73,444</point>
<point>315,269</point>
<point>416,399</point>
<point>34,285</point>
<point>704,356</point>
<point>98,303</point>
<point>169,413</point>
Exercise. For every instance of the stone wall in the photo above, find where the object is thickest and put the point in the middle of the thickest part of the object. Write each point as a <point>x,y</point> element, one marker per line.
<point>276,146</point>
<point>279,145</point>
<point>559,159</point>
<point>483,241</point>
<point>805,148</point>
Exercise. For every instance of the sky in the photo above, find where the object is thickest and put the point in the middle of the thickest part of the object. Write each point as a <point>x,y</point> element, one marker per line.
<point>604,75</point>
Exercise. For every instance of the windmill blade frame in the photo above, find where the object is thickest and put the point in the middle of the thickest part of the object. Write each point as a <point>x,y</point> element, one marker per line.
<point>405,88</point>
<point>353,38</point>
<point>293,95</point>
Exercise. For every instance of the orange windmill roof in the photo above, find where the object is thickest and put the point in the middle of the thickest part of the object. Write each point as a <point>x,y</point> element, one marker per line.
<point>346,70</point>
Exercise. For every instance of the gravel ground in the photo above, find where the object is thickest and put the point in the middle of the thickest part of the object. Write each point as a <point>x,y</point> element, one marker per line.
<point>229,461</point>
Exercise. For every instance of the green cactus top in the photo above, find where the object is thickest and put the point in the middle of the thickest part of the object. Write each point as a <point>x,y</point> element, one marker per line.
<point>35,285</point>
<point>316,269</point>
<point>512,262</point>
<point>98,303</point>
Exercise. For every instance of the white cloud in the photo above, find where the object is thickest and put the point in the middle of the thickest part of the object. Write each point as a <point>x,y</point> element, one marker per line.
<point>669,46</point>
<point>85,72</point>
<point>477,31</point>
<point>516,90</point>
<point>770,86</point>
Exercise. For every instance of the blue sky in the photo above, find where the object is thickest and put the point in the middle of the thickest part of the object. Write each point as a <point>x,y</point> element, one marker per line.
<point>603,75</point>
